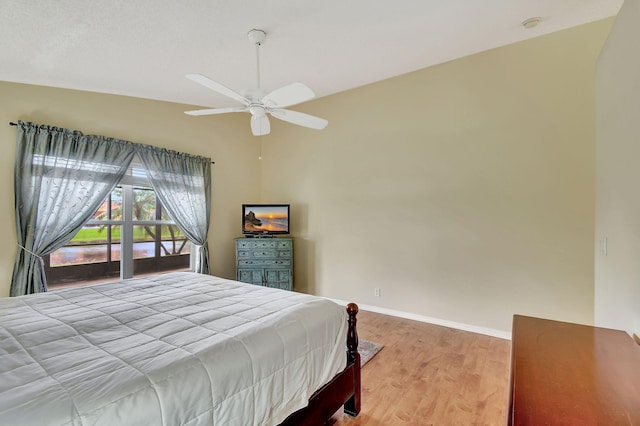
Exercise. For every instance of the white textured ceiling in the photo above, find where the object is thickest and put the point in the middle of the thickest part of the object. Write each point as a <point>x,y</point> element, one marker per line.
<point>143,48</point>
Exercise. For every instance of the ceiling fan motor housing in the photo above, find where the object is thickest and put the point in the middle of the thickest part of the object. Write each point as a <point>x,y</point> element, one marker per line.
<point>257,110</point>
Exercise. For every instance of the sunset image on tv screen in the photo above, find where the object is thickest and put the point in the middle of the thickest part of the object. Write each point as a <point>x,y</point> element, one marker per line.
<point>266,219</point>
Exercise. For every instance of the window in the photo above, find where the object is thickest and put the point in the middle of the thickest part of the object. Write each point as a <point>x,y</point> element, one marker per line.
<point>129,235</point>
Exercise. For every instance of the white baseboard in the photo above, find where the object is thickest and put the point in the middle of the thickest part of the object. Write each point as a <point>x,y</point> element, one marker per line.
<point>431,320</point>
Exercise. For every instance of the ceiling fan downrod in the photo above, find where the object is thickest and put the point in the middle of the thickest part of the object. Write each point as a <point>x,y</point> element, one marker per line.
<point>257,37</point>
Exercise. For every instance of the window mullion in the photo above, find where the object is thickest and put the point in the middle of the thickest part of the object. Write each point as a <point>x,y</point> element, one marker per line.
<point>126,234</point>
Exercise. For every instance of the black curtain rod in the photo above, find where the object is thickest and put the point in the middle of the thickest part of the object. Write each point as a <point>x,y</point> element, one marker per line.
<point>11,123</point>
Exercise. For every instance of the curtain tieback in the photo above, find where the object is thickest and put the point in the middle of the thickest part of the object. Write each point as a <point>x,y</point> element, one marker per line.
<point>30,252</point>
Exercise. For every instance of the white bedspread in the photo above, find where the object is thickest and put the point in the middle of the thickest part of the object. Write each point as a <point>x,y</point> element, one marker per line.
<point>174,349</point>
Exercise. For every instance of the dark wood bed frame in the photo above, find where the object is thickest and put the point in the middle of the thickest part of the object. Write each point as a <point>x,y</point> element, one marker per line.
<point>343,389</point>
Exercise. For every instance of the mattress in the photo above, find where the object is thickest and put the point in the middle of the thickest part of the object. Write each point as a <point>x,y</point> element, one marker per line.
<point>173,349</point>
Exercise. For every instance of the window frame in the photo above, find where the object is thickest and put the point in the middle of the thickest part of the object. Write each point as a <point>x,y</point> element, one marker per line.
<point>135,177</point>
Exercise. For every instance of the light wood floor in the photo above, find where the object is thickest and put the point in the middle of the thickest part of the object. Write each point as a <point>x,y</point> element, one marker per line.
<point>430,375</point>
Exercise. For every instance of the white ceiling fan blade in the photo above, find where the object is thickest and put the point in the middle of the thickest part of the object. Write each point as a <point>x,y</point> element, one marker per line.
<point>300,118</point>
<point>260,125</point>
<point>218,87</point>
<point>292,94</point>
<point>212,111</point>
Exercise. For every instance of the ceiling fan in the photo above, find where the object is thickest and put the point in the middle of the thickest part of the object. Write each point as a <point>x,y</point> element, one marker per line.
<point>259,103</point>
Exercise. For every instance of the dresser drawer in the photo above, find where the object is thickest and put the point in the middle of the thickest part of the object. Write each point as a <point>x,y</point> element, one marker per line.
<point>246,254</point>
<point>264,253</point>
<point>245,244</point>
<point>243,253</point>
<point>266,244</point>
<point>286,244</point>
<point>253,243</point>
<point>264,262</point>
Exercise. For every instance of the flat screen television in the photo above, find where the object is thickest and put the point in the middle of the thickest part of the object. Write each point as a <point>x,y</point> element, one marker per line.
<point>265,219</point>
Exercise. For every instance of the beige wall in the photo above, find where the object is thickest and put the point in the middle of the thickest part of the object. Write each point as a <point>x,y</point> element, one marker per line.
<point>227,141</point>
<point>617,281</point>
<point>465,191</point>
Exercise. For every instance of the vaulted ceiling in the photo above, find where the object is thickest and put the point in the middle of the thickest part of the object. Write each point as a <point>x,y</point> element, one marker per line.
<point>143,48</point>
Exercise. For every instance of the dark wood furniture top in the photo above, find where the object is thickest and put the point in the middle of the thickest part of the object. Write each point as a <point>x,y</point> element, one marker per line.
<point>570,374</point>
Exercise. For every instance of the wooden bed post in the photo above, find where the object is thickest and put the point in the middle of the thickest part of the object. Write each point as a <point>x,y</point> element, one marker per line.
<point>352,406</point>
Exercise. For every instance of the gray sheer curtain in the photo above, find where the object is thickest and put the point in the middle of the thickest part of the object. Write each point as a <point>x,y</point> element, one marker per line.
<point>182,183</point>
<point>61,178</point>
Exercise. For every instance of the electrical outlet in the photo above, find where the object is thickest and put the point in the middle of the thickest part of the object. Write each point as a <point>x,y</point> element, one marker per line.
<point>376,292</point>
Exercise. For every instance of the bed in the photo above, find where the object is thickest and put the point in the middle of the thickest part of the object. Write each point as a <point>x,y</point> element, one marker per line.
<point>176,349</point>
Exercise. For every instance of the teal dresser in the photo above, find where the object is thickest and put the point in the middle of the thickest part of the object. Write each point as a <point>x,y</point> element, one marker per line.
<point>265,261</point>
